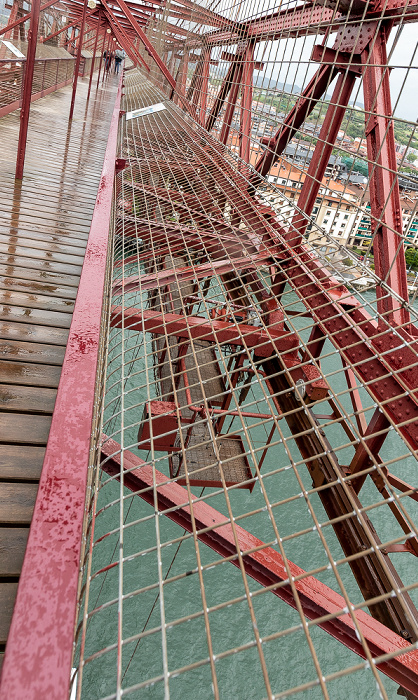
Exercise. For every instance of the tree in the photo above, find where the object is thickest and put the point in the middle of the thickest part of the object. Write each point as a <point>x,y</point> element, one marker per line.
<point>411,157</point>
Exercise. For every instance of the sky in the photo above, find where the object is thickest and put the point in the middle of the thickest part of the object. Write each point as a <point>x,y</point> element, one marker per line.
<point>288,61</point>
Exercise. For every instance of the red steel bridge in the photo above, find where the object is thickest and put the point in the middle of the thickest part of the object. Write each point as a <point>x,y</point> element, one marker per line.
<point>208,349</point>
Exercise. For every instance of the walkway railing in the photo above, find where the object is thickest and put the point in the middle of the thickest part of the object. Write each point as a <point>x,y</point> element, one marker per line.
<point>50,74</point>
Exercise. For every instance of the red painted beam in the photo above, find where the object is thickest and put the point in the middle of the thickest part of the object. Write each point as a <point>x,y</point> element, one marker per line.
<point>77,60</point>
<point>297,115</point>
<point>39,650</point>
<point>266,565</point>
<point>264,343</point>
<point>321,155</point>
<point>148,46</point>
<point>128,46</point>
<point>385,204</point>
<point>25,18</point>
<point>164,277</point>
<point>302,20</point>
<point>27,88</point>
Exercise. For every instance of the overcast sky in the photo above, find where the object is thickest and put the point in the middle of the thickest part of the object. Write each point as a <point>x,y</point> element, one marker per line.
<point>288,61</point>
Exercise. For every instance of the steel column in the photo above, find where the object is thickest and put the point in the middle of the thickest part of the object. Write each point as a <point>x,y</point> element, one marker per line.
<point>26,17</point>
<point>386,211</point>
<point>101,57</point>
<point>27,88</point>
<point>94,54</point>
<point>323,149</point>
<point>297,115</point>
<point>246,103</point>
<point>77,62</point>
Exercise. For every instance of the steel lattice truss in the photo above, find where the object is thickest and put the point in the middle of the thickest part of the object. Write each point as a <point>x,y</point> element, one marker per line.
<point>267,407</point>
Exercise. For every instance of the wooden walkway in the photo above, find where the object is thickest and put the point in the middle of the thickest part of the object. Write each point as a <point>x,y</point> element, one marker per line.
<point>44,225</point>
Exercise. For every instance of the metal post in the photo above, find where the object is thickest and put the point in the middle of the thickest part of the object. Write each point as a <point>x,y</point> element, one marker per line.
<point>94,54</point>
<point>27,88</point>
<point>101,60</point>
<point>204,86</point>
<point>230,107</point>
<point>323,149</point>
<point>386,210</point>
<point>246,102</point>
<point>77,61</point>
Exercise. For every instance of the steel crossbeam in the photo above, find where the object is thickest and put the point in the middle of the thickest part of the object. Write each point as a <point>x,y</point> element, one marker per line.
<point>265,565</point>
<point>265,343</point>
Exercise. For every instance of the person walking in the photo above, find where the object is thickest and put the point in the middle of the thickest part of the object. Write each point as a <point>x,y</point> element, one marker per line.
<point>119,56</point>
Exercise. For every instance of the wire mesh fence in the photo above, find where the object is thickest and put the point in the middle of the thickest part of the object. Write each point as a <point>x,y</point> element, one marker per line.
<point>260,382</point>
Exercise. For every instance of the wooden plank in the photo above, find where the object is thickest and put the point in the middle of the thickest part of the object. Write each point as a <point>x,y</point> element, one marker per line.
<point>48,276</point>
<point>36,301</point>
<point>21,462</point>
<point>17,502</point>
<point>24,429</point>
<point>13,542</point>
<point>34,253</point>
<point>27,399</point>
<point>47,217</point>
<point>43,265</point>
<point>29,374</point>
<point>29,332</point>
<point>40,221</point>
<point>30,229</point>
<point>41,317</point>
<point>32,287</point>
<point>7,600</point>
<point>32,352</point>
<point>43,241</point>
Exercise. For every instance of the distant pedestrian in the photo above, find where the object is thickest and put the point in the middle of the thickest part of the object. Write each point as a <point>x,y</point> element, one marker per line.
<point>119,56</point>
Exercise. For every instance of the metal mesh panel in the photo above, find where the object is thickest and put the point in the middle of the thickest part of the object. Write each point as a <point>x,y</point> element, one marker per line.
<point>260,379</point>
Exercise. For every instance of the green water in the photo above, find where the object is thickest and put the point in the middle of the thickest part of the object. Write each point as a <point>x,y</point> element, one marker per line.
<point>288,659</point>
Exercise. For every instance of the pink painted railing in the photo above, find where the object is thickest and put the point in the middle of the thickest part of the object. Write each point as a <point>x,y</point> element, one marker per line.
<point>50,74</point>
<point>39,649</point>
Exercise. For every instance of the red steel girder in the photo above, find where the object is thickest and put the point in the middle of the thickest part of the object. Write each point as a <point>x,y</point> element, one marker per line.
<point>321,155</point>
<point>164,277</point>
<point>297,115</point>
<point>310,18</point>
<point>25,18</point>
<point>199,328</point>
<point>385,364</point>
<point>265,565</point>
<point>144,39</point>
<point>391,378</point>
<point>246,103</point>
<point>173,237</point>
<point>385,204</point>
<point>128,46</point>
<point>227,84</point>
<point>27,88</point>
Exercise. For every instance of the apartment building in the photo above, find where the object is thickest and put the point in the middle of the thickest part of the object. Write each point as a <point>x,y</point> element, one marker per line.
<point>335,210</point>
<point>361,234</point>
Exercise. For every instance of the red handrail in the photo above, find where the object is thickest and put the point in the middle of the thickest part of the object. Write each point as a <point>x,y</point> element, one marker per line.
<point>39,650</point>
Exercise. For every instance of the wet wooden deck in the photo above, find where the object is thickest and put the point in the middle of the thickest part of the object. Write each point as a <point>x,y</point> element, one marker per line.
<point>44,225</point>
